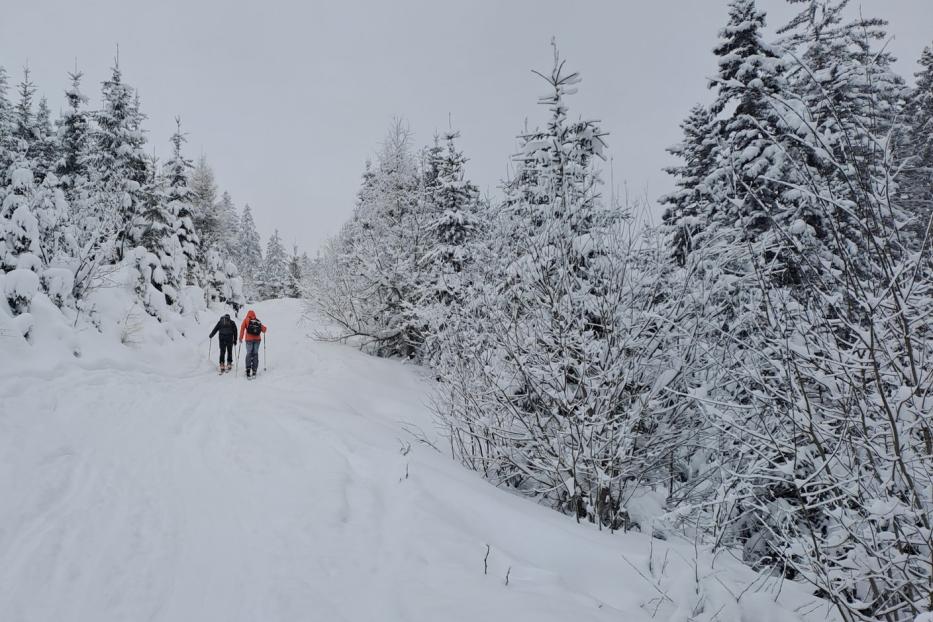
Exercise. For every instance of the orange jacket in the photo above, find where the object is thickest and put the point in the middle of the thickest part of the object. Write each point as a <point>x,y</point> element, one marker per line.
<point>243,335</point>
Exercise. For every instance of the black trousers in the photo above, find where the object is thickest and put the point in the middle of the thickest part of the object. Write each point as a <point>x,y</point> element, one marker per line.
<point>226,346</point>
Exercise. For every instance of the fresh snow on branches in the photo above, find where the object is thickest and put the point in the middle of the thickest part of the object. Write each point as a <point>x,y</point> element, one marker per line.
<point>755,372</point>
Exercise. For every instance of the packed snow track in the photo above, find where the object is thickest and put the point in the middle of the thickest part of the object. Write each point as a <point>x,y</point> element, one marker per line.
<point>147,487</point>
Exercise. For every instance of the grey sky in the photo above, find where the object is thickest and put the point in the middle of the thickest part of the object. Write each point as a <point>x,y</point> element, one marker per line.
<point>288,98</point>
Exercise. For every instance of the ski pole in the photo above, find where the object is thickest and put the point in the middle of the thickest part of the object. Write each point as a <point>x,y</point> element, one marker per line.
<point>210,342</point>
<point>236,371</point>
<point>265,356</point>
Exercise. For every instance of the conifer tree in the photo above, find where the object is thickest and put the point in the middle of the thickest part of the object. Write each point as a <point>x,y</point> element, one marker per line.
<point>228,227</point>
<point>75,130</point>
<point>295,286</point>
<point>249,252</point>
<point>24,123</point>
<point>917,185</point>
<point>455,231</point>
<point>691,196</point>
<point>179,198</point>
<point>204,204</point>
<point>6,123</point>
<point>43,152</point>
<point>849,102</point>
<point>119,162</point>
<point>20,229</point>
<point>272,279</point>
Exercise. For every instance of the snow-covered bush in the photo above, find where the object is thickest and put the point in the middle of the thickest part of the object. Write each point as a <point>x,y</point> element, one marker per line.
<point>58,284</point>
<point>19,288</point>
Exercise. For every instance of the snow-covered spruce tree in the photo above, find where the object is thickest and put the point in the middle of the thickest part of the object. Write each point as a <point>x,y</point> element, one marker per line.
<point>90,226</point>
<point>389,245</point>
<point>249,253</point>
<point>272,278</point>
<point>224,284</point>
<point>6,124</point>
<point>74,135</point>
<point>295,286</point>
<point>119,164</point>
<point>179,198</point>
<point>19,236</point>
<point>57,242</point>
<point>691,196</point>
<point>916,183</point>
<point>43,152</point>
<point>371,285</point>
<point>454,236</point>
<point>204,207</point>
<point>23,114</point>
<point>753,174</point>
<point>161,241</point>
<point>849,100</point>
<point>228,227</point>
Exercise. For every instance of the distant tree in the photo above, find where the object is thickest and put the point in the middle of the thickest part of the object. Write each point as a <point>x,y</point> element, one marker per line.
<point>249,253</point>
<point>23,116</point>
<point>295,286</point>
<point>228,227</point>
<point>43,152</point>
<point>6,123</point>
<point>204,204</point>
<point>272,279</point>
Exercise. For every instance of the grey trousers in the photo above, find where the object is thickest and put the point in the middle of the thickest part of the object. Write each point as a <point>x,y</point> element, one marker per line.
<point>252,355</point>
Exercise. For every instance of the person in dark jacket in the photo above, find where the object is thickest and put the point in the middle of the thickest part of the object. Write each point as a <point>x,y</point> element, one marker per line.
<point>226,335</point>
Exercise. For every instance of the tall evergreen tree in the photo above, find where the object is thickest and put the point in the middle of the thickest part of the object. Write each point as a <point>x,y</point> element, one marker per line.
<point>228,227</point>
<point>917,185</point>
<point>179,199</point>
<point>249,252</point>
<point>75,137</point>
<point>119,162</point>
<point>24,122</point>
<point>19,229</point>
<point>454,225</point>
<point>204,204</point>
<point>6,122</point>
<point>272,279</point>
<point>295,287</point>
<point>850,103</point>
<point>454,238</point>
<point>43,151</point>
<point>692,196</point>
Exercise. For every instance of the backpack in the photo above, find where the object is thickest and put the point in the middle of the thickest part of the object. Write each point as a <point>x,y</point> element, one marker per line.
<point>254,327</point>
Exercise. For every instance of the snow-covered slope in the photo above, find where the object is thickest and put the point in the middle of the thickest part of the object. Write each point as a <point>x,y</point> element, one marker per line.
<point>140,485</point>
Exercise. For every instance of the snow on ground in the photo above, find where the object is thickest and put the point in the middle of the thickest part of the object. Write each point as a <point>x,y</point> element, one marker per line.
<point>137,484</point>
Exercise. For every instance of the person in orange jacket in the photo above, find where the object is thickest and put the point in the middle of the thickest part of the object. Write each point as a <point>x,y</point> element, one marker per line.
<point>251,331</point>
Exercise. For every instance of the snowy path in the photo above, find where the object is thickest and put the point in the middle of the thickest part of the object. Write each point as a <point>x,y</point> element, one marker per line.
<point>164,492</point>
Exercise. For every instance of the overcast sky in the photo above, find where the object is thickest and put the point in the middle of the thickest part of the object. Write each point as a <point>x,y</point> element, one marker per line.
<point>288,98</point>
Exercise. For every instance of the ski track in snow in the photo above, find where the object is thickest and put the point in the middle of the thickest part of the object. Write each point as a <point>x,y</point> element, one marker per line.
<point>167,492</point>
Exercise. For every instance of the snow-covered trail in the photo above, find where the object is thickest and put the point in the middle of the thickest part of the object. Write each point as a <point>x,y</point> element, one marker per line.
<point>162,491</point>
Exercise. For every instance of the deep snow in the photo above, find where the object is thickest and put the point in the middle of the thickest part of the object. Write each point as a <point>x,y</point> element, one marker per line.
<point>137,484</point>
